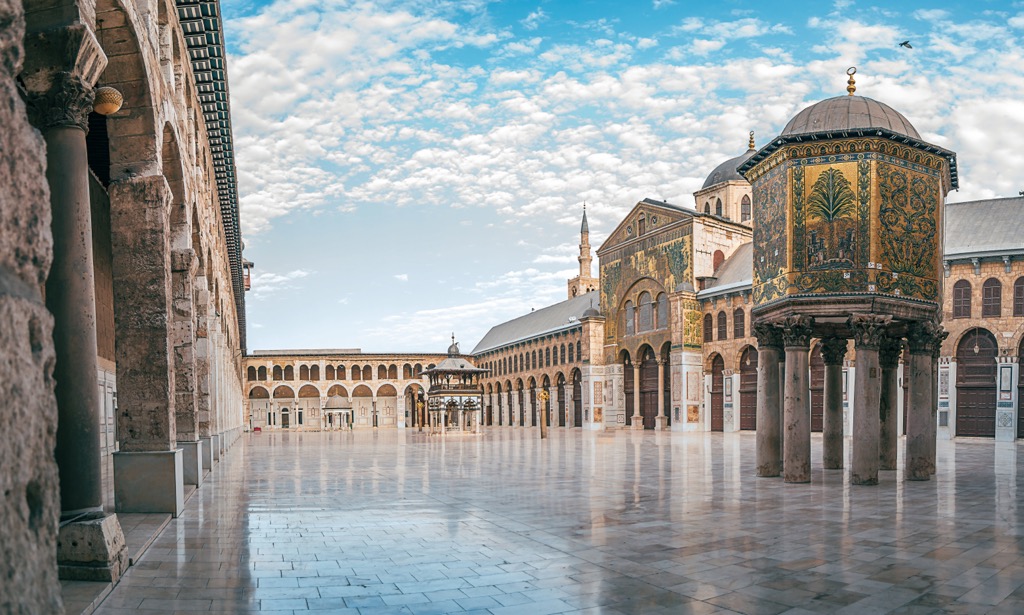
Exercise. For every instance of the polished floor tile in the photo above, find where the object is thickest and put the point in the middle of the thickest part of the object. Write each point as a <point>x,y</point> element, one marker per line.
<point>611,523</point>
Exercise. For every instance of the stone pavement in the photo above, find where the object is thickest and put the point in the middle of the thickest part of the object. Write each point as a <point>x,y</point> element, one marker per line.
<point>615,522</point>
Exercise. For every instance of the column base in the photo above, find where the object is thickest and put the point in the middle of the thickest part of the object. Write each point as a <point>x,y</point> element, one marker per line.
<point>661,423</point>
<point>206,453</point>
<point>92,548</point>
<point>215,441</point>
<point>637,423</point>
<point>192,462</point>
<point>149,482</point>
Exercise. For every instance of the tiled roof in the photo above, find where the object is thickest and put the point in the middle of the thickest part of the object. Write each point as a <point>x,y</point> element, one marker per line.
<point>553,318</point>
<point>976,228</point>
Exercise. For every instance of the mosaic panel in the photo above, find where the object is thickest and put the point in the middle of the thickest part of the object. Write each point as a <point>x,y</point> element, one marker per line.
<point>770,236</point>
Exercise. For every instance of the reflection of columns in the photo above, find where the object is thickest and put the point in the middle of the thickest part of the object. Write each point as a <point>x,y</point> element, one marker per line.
<point>62,115</point>
<point>662,420</point>
<point>769,345</point>
<point>637,421</point>
<point>888,435</point>
<point>868,332</point>
<point>782,398</point>
<point>796,453</point>
<point>570,407</point>
<point>833,349</point>
<point>924,341</point>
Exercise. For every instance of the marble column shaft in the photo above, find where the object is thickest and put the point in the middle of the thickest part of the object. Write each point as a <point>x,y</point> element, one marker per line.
<point>833,350</point>
<point>637,421</point>
<point>769,416</point>
<point>924,341</point>
<point>796,452</point>
<point>868,329</point>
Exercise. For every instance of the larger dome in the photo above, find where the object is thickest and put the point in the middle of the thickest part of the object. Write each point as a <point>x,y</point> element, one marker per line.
<point>727,170</point>
<point>848,113</point>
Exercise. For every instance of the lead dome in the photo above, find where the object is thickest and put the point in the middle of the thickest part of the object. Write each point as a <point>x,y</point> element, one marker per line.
<point>848,113</point>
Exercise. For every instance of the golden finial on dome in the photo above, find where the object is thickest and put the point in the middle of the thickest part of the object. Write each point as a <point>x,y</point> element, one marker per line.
<point>750,145</point>
<point>851,85</point>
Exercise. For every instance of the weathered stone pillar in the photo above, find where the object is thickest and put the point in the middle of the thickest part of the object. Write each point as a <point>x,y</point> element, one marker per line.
<point>202,352</point>
<point>661,422</point>
<point>769,416</point>
<point>888,435</point>
<point>868,332</point>
<point>796,454</point>
<point>782,397</point>
<point>148,473</point>
<point>183,268</point>
<point>923,341</point>
<point>833,351</point>
<point>636,421</point>
<point>936,349</point>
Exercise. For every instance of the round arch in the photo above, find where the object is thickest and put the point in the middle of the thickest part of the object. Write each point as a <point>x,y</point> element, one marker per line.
<point>362,391</point>
<point>284,392</point>
<point>258,392</point>
<point>309,390</point>
<point>337,389</point>
<point>976,353</point>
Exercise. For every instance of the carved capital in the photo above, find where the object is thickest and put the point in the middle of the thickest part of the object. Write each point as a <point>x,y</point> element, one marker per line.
<point>926,338</point>
<point>833,350</point>
<point>768,334</point>
<point>796,331</point>
<point>889,352</point>
<point>868,330</point>
<point>66,104</point>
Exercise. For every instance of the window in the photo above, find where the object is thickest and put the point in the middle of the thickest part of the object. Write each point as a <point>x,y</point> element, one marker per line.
<point>709,328</point>
<point>717,259</point>
<point>303,372</point>
<point>991,298</point>
<point>642,224</point>
<point>262,372</point>
<point>739,324</point>
<point>707,207</point>
<point>341,372</point>
<point>329,372</point>
<point>367,372</point>
<point>314,372</point>
<point>718,207</point>
<point>745,208</point>
<point>533,359</point>
<point>662,311</point>
<point>251,373</point>
<point>646,321</point>
<point>515,363</point>
<point>1018,297</point>
<point>289,372</point>
<point>723,326</point>
<point>278,373</point>
<point>630,319</point>
<point>570,354</point>
<point>579,355</point>
<point>962,299</point>
<point>382,372</point>
<point>547,357</point>
<point>561,352</point>
<point>300,417</point>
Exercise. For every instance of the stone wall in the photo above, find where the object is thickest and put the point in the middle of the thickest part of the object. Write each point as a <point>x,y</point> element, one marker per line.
<point>1008,329</point>
<point>29,508</point>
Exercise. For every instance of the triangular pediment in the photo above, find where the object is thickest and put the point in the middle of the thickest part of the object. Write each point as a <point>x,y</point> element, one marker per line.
<point>660,213</point>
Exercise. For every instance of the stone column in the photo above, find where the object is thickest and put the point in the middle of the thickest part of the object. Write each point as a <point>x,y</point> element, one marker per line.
<point>637,421</point>
<point>938,336</point>
<point>924,341</point>
<point>661,423</point>
<point>148,469</point>
<point>796,453</point>
<point>868,332</point>
<point>769,415</point>
<point>888,435</point>
<point>183,267</point>
<point>833,350</point>
<point>782,398</point>
<point>203,351</point>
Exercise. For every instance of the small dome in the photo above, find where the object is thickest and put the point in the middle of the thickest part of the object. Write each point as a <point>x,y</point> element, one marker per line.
<point>848,113</point>
<point>453,350</point>
<point>590,311</point>
<point>727,170</point>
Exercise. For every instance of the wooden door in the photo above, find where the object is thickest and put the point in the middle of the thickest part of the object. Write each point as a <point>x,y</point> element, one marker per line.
<point>577,400</point>
<point>717,394</point>
<point>817,390</point>
<point>627,389</point>
<point>748,389</point>
<point>976,384</point>
<point>649,390</point>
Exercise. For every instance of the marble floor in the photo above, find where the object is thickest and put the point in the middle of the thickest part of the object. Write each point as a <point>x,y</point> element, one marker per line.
<point>584,522</point>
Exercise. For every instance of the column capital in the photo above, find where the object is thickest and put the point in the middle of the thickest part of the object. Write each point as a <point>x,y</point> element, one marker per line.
<point>926,338</point>
<point>833,350</point>
<point>66,104</point>
<point>868,330</point>
<point>768,334</point>
<point>796,331</point>
<point>889,352</point>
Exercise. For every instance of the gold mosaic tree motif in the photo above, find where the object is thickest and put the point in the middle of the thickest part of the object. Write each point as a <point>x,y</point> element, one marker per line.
<point>832,201</point>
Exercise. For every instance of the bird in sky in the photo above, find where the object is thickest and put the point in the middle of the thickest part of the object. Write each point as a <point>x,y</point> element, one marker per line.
<point>906,44</point>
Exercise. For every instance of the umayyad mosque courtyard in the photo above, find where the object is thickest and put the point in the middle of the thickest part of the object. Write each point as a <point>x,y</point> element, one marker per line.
<point>583,522</point>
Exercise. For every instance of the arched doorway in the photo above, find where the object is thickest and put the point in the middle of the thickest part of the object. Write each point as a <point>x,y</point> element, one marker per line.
<point>534,422</point>
<point>976,384</point>
<point>560,392</point>
<point>284,398</point>
<point>522,406</point>
<point>649,388</point>
<point>817,389</point>
<point>748,388</point>
<point>717,393</point>
<point>577,398</point>
<point>627,385</point>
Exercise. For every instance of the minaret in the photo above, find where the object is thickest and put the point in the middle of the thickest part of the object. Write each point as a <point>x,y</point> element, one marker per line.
<point>583,283</point>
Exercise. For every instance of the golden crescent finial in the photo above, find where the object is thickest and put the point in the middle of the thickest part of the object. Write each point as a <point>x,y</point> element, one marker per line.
<point>851,85</point>
<point>750,145</point>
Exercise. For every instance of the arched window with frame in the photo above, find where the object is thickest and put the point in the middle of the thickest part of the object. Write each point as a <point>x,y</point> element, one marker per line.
<point>962,299</point>
<point>278,373</point>
<point>717,259</point>
<point>646,320</point>
<point>723,326</point>
<point>707,207</point>
<point>314,372</point>
<point>709,328</point>
<point>579,353</point>
<point>630,319</point>
<point>341,372</point>
<point>289,372</point>
<point>991,298</point>
<point>261,373</point>
<point>745,209</point>
<point>303,372</point>
<point>329,372</point>
<point>547,357</point>
<point>561,354</point>
<point>571,359</point>
<point>718,207</point>
<point>1018,297</point>
<point>739,324</point>
<point>662,311</point>
<point>251,373</point>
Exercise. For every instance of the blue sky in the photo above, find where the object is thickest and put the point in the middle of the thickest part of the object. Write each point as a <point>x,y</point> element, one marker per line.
<point>412,168</point>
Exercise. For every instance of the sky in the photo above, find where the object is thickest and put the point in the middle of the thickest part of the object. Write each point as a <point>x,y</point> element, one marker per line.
<point>412,168</point>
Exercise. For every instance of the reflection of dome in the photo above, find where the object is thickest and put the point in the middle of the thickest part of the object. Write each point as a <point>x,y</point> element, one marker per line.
<point>848,113</point>
<point>727,170</point>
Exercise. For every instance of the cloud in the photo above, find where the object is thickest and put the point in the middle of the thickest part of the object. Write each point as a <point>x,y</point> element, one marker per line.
<point>268,283</point>
<point>401,277</point>
<point>534,19</point>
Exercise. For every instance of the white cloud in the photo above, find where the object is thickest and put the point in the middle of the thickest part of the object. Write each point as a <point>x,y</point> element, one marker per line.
<point>401,277</point>
<point>534,19</point>
<point>268,283</point>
